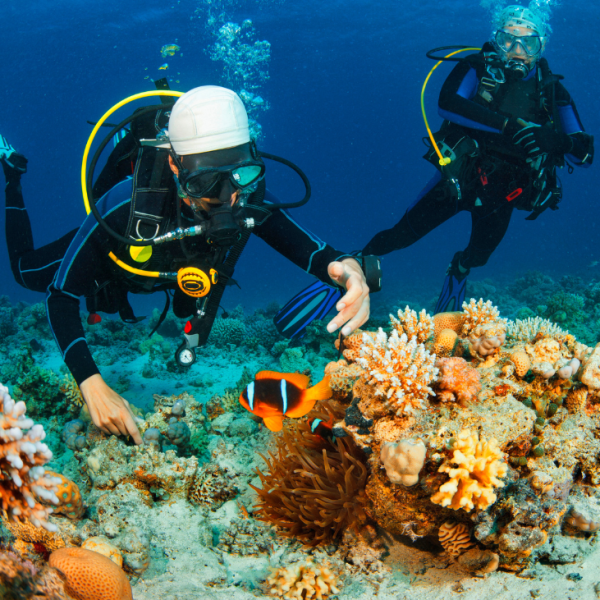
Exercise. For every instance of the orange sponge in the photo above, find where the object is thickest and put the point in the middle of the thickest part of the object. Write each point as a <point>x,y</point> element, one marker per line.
<point>91,576</point>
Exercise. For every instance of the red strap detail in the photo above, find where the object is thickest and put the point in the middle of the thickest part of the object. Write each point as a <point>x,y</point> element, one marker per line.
<point>188,327</point>
<point>514,194</point>
<point>483,176</point>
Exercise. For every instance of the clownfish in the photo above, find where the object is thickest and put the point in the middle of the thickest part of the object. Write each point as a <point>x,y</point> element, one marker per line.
<point>273,396</point>
<point>323,429</point>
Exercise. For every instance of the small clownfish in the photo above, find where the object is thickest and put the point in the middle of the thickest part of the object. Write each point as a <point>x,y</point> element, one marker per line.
<point>273,396</point>
<point>323,429</point>
<point>163,67</point>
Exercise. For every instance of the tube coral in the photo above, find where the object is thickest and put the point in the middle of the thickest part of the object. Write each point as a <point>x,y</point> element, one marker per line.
<point>23,481</point>
<point>314,488</point>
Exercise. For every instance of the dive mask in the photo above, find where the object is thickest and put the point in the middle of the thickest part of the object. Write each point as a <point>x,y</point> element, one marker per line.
<point>531,44</point>
<point>199,182</point>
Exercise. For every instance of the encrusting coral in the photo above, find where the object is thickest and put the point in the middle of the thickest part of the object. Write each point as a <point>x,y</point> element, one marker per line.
<point>313,488</point>
<point>400,370</point>
<point>23,481</point>
<point>475,468</point>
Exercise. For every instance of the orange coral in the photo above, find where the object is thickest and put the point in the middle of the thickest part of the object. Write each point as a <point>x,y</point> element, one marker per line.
<point>479,313</point>
<point>521,361</point>
<point>352,343</point>
<point>448,320</point>
<point>342,376</point>
<point>91,576</point>
<point>445,342</point>
<point>70,502</point>
<point>457,381</point>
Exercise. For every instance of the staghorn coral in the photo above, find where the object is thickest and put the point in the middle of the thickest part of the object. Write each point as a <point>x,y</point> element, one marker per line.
<point>455,538</point>
<point>304,581</point>
<point>475,469</point>
<point>528,330</point>
<point>401,370</point>
<point>23,481</point>
<point>91,576</point>
<point>313,489</point>
<point>415,326</point>
<point>457,381</point>
<point>478,313</point>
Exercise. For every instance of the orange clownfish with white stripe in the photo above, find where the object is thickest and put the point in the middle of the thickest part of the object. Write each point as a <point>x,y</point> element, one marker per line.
<point>273,396</point>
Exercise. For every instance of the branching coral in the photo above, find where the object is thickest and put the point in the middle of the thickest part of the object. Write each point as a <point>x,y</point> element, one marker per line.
<point>414,326</point>
<point>304,581</point>
<point>458,381</point>
<point>475,469</point>
<point>23,481</point>
<point>401,370</point>
<point>527,330</point>
<point>478,313</point>
<point>313,489</point>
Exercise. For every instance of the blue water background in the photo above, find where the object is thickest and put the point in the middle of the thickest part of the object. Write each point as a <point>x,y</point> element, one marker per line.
<point>344,90</point>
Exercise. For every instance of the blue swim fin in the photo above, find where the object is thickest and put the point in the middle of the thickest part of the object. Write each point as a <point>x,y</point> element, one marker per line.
<point>310,304</point>
<point>454,289</point>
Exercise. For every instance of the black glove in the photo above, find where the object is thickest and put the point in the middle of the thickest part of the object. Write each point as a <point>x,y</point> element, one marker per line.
<point>15,162</point>
<point>537,140</point>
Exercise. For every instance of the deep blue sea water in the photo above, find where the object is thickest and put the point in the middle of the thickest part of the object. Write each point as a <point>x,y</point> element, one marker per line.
<point>345,80</point>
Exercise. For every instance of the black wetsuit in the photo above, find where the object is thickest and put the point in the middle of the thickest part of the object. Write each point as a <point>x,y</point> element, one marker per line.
<point>78,264</point>
<point>490,182</point>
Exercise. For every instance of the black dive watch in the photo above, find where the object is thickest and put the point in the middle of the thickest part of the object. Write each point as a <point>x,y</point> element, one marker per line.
<point>371,267</point>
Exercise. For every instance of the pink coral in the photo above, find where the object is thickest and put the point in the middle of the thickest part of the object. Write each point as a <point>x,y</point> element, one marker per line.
<point>458,381</point>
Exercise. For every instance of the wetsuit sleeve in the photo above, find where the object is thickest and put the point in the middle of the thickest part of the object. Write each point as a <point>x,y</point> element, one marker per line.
<point>85,263</point>
<point>456,101</point>
<point>582,152</point>
<point>303,248</point>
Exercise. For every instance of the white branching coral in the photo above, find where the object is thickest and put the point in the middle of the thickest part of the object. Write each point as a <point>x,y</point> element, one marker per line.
<point>414,326</point>
<point>23,482</point>
<point>527,330</point>
<point>479,313</point>
<point>475,469</point>
<point>400,369</point>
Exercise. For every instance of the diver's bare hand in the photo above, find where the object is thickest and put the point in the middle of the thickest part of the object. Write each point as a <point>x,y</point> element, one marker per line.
<point>353,308</point>
<point>108,410</point>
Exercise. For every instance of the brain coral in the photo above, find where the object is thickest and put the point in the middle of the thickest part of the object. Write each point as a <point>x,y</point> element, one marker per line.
<point>455,537</point>
<point>91,576</point>
<point>457,381</point>
<point>399,369</point>
<point>475,469</point>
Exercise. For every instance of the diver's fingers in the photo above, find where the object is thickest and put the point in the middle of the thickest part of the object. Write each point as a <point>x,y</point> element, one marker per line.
<point>361,317</point>
<point>357,311</point>
<point>132,429</point>
<point>110,428</point>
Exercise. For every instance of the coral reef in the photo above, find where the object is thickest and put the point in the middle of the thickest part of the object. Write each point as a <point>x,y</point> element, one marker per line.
<point>419,327</point>
<point>403,460</point>
<point>70,503</point>
<point>455,538</point>
<point>91,576</point>
<point>23,481</point>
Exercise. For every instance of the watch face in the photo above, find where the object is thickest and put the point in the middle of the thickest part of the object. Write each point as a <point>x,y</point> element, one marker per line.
<point>186,357</point>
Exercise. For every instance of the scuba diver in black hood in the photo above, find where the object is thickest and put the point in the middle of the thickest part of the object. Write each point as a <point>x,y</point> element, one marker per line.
<point>177,219</point>
<point>509,123</point>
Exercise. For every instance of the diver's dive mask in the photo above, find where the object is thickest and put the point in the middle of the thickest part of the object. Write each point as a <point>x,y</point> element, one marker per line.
<point>531,46</point>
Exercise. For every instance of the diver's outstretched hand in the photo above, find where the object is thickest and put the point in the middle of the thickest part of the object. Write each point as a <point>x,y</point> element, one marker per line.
<point>354,306</point>
<point>108,410</point>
